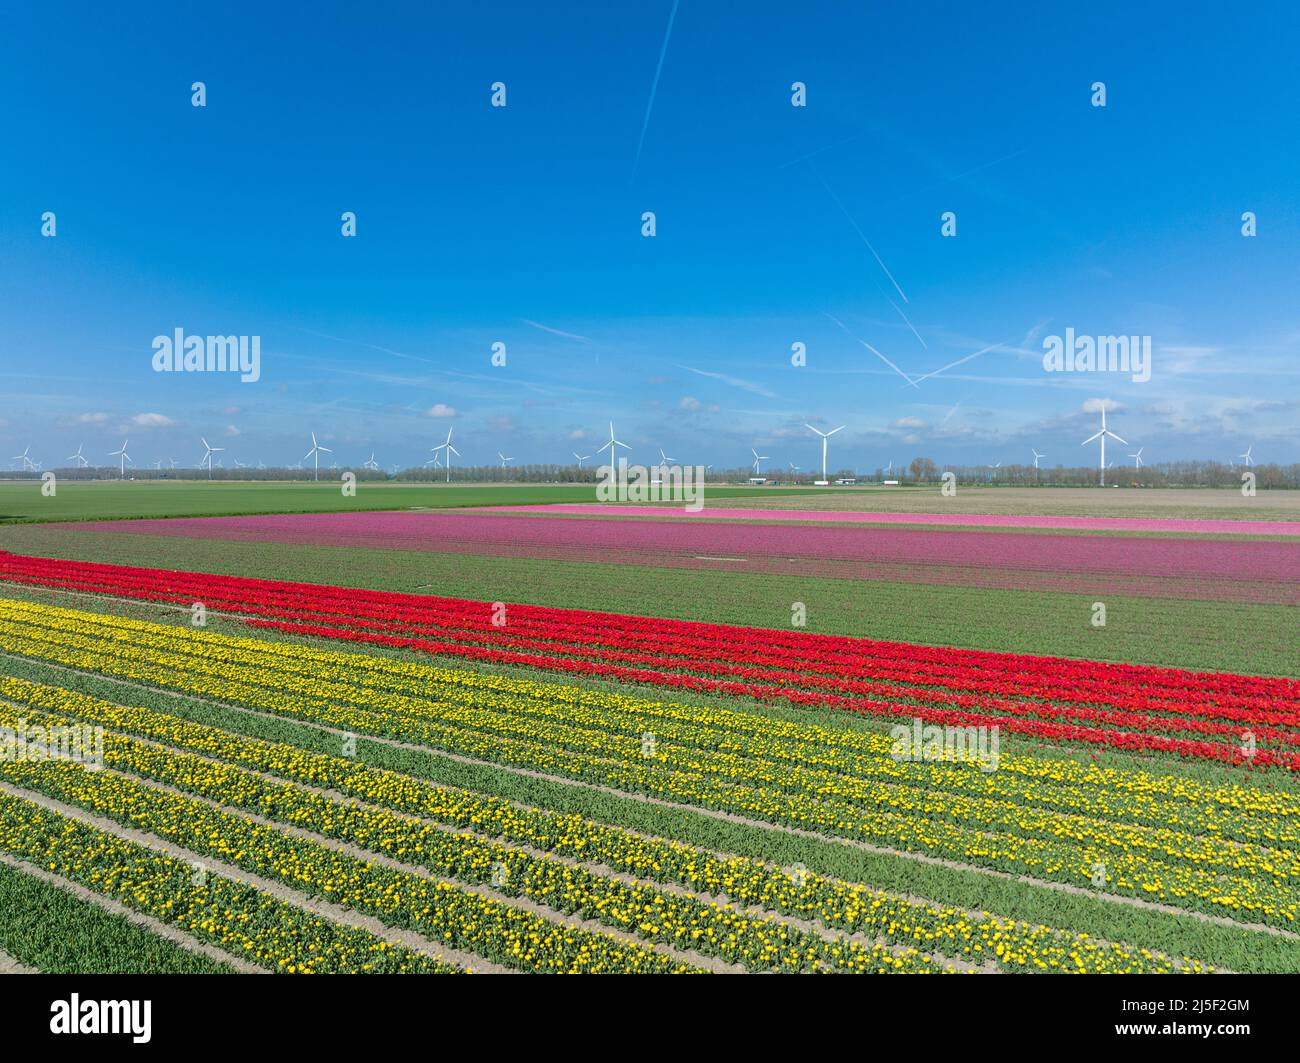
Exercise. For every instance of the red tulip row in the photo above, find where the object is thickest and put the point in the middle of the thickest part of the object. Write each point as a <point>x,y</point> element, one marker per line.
<point>1121,705</point>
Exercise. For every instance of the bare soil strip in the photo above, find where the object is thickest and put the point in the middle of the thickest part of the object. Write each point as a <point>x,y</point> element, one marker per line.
<point>370,856</point>
<point>140,919</point>
<point>8,965</point>
<point>324,909</point>
<point>826,933</point>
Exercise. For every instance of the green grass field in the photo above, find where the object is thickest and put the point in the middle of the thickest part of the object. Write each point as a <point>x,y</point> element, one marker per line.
<point>22,501</point>
<point>1212,636</point>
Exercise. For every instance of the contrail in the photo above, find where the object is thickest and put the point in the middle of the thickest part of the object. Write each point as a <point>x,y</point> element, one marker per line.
<point>818,151</point>
<point>861,235</point>
<point>871,349</point>
<point>555,331</point>
<point>654,86</point>
<point>909,324</point>
<point>959,361</point>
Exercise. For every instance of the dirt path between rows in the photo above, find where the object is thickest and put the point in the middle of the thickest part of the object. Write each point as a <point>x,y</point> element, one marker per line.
<point>8,965</point>
<point>146,922</point>
<point>324,909</point>
<point>755,912</point>
<point>381,859</point>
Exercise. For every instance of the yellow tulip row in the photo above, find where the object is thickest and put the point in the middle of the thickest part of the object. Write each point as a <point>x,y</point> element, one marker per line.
<point>1240,881</point>
<point>704,926</point>
<point>657,915</point>
<point>245,922</point>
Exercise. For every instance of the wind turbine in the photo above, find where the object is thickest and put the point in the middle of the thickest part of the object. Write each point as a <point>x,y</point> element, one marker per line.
<point>612,444</point>
<point>370,462</point>
<point>315,453</point>
<point>1246,457</point>
<point>825,436</point>
<point>78,457</point>
<point>27,462</point>
<point>1137,458</point>
<point>173,462</point>
<point>157,463</point>
<point>238,464</point>
<point>207,457</point>
<point>1101,475</point>
<point>504,459</point>
<point>581,458</point>
<point>450,451</point>
<point>123,457</point>
<point>1037,456</point>
<point>757,458</point>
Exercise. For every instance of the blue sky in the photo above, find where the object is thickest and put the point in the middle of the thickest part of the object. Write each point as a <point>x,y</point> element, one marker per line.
<point>775,225</point>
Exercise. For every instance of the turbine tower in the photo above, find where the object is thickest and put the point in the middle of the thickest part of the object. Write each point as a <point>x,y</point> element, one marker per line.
<point>78,457</point>
<point>123,457</point>
<point>757,458</point>
<point>450,450</point>
<point>1246,457</point>
<point>1037,456</point>
<point>1101,474</point>
<point>613,442</point>
<point>825,436</point>
<point>207,457</point>
<point>1137,458</point>
<point>315,453</point>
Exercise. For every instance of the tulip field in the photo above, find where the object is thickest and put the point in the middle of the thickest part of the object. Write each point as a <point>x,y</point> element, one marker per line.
<point>298,776</point>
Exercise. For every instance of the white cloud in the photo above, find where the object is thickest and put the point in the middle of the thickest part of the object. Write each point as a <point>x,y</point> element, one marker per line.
<point>690,403</point>
<point>151,420</point>
<point>1097,405</point>
<point>92,418</point>
<point>231,430</point>
<point>440,409</point>
<point>908,422</point>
